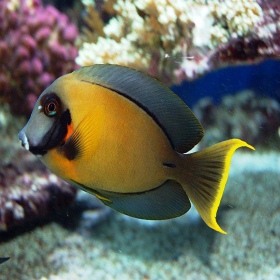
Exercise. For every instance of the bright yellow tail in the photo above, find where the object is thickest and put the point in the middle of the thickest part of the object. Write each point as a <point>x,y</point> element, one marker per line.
<point>205,176</point>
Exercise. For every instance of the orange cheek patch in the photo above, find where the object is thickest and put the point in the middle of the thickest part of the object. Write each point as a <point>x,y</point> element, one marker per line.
<point>70,130</point>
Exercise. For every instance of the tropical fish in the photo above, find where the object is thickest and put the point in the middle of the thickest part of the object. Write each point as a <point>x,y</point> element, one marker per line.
<point>122,136</point>
<point>2,260</point>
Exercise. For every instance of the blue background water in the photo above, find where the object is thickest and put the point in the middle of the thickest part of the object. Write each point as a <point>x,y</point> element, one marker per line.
<point>263,78</point>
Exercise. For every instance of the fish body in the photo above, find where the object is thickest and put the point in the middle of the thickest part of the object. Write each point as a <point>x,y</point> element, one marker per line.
<point>113,119</point>
<point>122,136</point>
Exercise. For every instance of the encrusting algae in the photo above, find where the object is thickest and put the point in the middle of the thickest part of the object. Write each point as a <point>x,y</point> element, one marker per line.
<point>122,136</point>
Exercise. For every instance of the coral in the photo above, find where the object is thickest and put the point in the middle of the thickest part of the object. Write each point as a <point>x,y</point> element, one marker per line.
<point>177,40</point>
<point>36,47</point>
<point>245,115</point>
<point>28,191</point>
<point>262,42</point>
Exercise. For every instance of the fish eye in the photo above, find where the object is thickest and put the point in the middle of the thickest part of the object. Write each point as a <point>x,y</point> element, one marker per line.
<point>51,107</point>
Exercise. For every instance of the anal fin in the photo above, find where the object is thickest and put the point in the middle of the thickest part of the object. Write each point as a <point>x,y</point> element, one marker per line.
<point>167,201</point>
<point>164,202</point>
<point>104,199</point>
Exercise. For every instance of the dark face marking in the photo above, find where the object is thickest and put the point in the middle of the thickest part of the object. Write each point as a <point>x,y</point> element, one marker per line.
<point>55,136</point>
<point>71,149</point>
<point>169,164</point>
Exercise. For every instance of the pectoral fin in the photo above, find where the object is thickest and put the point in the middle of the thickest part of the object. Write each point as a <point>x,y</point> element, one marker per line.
<point>86,137</point>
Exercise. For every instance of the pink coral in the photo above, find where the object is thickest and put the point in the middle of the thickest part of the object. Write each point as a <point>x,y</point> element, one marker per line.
<point>36,47</point>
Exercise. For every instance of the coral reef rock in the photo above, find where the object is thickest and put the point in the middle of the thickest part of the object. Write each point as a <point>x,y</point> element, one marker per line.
<point>28,192</point>
<point>36,47</point>
<point>248,116</point>
<point>179,40</point>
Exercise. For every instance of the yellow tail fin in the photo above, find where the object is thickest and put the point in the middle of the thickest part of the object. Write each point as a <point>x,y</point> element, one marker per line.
<point>205,176</point>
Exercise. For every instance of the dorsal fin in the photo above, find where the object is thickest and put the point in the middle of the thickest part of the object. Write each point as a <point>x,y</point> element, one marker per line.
<point>176,119</point>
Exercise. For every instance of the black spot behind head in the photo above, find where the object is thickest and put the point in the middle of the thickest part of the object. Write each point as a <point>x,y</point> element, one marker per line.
<point>72,148</point>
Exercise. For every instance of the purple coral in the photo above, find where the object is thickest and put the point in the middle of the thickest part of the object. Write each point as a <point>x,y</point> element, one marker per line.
<point>36,47</point>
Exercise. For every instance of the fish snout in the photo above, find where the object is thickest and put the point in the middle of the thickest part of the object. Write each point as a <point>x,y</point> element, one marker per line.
<point>24,140</point>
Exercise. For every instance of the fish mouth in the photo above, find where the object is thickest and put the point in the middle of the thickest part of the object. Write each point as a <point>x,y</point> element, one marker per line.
<point>24,140</point>
<point>49,141</point>
<point>54,137</point>
<point>36,150</point>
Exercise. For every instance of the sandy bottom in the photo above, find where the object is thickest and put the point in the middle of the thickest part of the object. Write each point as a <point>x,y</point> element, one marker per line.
<point>182,248</point>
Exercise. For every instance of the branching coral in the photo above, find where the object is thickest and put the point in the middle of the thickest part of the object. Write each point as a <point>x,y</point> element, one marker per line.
<point>36,47</point>
<point>177,40</point>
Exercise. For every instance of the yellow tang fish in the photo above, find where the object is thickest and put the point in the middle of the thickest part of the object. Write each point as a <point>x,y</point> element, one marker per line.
<point>121,135</point>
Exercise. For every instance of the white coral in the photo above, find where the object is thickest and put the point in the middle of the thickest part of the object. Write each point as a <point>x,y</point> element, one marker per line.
<point>109,51</point>
<point>235,17</point>
<point>143,27</point>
